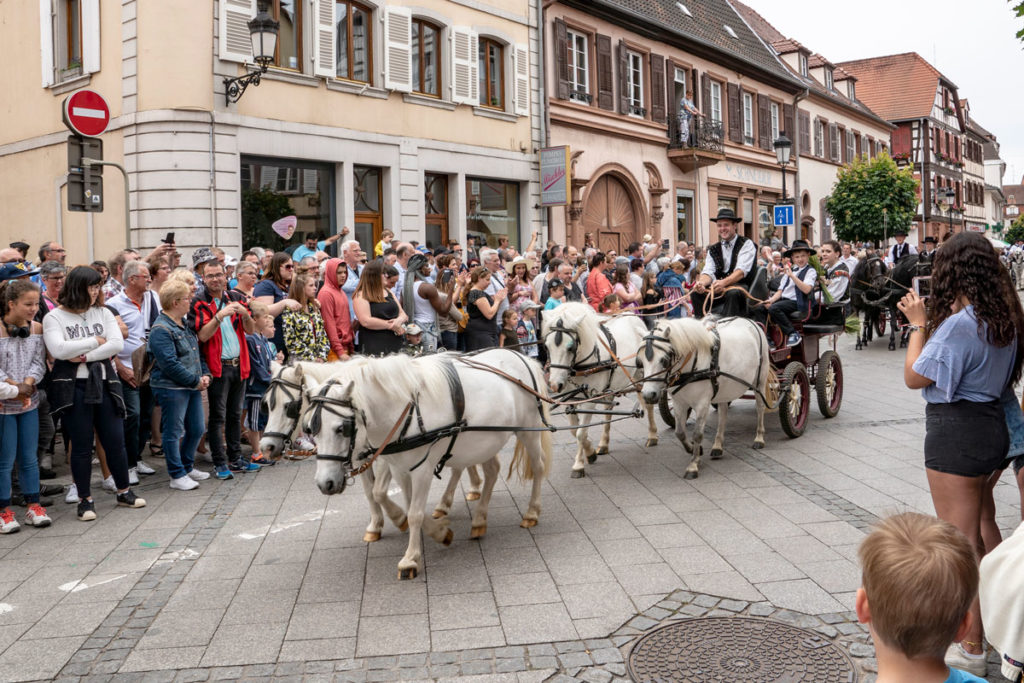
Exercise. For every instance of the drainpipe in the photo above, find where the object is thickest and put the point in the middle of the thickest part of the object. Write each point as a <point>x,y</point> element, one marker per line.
<point>213,171</point>
<point>545,212</point>
<point>796,167</point>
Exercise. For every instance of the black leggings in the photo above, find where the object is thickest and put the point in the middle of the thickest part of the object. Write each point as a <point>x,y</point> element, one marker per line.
<point>81,420</point>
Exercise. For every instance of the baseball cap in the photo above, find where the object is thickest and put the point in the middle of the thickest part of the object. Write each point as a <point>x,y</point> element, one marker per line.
<point>202,255</point>
<point>11,271</point>
<point>413,329</point>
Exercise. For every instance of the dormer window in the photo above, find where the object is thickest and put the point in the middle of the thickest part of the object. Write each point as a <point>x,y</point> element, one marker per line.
<point>828,78</point>
<point>851,89</point>
<point>803,65</point>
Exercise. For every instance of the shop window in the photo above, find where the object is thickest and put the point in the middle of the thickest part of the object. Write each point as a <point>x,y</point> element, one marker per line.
<point>274,188</point>
<point>354,41</point>
<point>492,211</point>
<point>684,216</point>
<point>369,218</point>
<point>435,204</point>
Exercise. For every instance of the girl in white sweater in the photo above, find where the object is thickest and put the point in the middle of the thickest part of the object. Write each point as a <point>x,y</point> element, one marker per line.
<point>83,336</point>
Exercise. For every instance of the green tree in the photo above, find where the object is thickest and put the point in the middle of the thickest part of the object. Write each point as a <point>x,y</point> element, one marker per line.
<point>1018,9</point>
<point>1015,232</point>
<point>260,208</point>
<point>872,199</point>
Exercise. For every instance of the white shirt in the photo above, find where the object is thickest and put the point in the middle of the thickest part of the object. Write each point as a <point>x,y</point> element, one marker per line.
<point>69,335</point>
<point>910,249</point>
<point>851,262</point>
<point>744,261</point>
<point>137,322</point>
<point>497,282</point>
<point>838,283</point>
<point>788,290</point>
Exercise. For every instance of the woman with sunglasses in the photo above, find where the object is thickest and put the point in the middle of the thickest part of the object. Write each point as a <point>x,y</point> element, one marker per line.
<point>83,337</point>
<point>272,290</point>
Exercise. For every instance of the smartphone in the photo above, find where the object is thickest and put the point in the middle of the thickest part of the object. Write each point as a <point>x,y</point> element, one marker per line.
<point>168,238</point>
<point>923,286</point>
<point>664,243</point>
<point>446,276</point>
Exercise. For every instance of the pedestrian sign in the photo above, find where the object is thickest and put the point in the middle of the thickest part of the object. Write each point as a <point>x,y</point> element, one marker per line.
<point>784,215</point>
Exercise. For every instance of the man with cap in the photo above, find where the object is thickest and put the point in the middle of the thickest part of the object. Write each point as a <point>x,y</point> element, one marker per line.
<point>794,294</point>
<point>900,249</point>
<point>201,257</point>
<point>728,270</point>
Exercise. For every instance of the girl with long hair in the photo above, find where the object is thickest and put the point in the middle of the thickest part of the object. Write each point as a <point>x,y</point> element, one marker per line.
<point>22,366</point>
<point>481,330</point>
<point>965,352</point>
<point>622,287</point>
<point>381,318</point>
<point>304,335</point>
<point>83,337</point>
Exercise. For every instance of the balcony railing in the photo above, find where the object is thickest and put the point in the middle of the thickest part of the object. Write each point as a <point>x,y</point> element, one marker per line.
<point>704,135</point>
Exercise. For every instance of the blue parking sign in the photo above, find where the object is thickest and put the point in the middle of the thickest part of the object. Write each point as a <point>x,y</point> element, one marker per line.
<point>784,215</point>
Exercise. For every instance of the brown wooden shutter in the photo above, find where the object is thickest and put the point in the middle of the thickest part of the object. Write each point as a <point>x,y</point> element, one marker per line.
<point>805,132</point>
<point>605,90</point>
<point>788,126</point>
<point>562,59</point>
<point>623,69</point>
<point>830,145</point>
<point>733,112</point>
<point>764,121</point>
<point>671,102</point>
<point>658,89</point>
<point>705,96</point>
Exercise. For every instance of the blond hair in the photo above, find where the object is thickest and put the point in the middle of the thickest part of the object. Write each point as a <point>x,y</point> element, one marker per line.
<point>920,575</point>
<point>258,308</point>
<point>181,274</point>
<point>172,291</point>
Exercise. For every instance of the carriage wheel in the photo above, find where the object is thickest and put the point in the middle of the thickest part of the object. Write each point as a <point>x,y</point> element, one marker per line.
<point>665,408</point>
<point>880,324</point>
<point>795,400</point>
<point>828,383</point>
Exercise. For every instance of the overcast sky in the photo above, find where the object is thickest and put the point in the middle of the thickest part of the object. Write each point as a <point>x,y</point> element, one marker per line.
<point>972,44</point>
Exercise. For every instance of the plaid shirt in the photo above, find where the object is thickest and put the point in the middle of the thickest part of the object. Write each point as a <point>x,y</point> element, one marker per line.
<point>204,308</point>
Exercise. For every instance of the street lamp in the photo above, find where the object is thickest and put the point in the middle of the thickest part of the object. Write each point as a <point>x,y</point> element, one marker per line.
<point>947,202</point>
<point>783,147</point>
<point>263,34</point>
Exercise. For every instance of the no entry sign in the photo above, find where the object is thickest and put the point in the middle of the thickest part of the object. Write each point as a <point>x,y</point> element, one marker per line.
<point>86,113</point>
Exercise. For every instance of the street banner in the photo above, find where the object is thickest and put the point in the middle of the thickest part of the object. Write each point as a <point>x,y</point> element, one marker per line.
<point>555,183</point>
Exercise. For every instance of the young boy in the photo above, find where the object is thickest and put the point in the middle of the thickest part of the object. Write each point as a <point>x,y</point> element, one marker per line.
<point>526,330</point>
<point>413,341</point>
<point>919,578</point>
<point>556,295</point>
<point>261,353</point>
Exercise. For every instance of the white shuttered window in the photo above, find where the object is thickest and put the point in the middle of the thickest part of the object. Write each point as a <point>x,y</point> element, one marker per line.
<point>521,69</point>
<point>465,89</point>
<point>323,53</point>
<point>235,43</point>
<point>69,39</point>
<point>398,49</point>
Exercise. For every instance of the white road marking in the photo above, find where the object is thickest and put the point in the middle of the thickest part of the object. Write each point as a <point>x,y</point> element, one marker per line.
<point>5,608</point>
<point>89,113</point>
<point>75,586</point>
<point>186,554</point>
<point>284,526</point>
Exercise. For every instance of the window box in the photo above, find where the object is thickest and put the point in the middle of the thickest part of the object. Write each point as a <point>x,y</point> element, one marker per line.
<point>581,96</point>
<point>637,111</point>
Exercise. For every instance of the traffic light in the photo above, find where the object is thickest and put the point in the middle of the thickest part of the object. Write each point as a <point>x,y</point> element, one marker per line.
<point>85,184</point>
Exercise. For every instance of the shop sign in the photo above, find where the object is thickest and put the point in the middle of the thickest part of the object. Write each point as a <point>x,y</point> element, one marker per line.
<point>554,176</point>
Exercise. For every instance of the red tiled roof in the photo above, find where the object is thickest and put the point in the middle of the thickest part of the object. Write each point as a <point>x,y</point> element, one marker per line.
<point>817,60</point>
<point>839,74</point>
<point>787,45</point>
<point>896,87</point>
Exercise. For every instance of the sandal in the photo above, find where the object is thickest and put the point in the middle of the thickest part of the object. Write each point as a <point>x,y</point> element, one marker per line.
<point>157,450</point>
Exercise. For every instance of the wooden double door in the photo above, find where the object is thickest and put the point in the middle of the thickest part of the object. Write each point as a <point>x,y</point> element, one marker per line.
<point>611,214</point>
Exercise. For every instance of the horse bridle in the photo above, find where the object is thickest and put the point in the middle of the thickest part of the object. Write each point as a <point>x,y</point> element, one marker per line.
<point>558,330</point>
<point>670,352</point>
<point>322,402</point>
<point>292,405</point>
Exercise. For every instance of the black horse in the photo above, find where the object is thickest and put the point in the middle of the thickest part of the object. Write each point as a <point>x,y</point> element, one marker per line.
<point>869,296</point>
<point>899,282</point>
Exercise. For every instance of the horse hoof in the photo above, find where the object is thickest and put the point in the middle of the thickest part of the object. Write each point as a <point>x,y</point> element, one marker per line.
<point>602,450</point>
<point>892,347</point>
<point>592,458</point>
<point>478,531</point>
<point>577,474</point>
<point>371,536</point>
<point>404,526</point>
<point>448,538</point>
<point>528,523</point>
<point>473,495</point>
<point>652,442</point>
<point>406,574</point>
<point>689,475</point>
<point>438,514</point>
<point>758,445</point>
<point>716,453</point>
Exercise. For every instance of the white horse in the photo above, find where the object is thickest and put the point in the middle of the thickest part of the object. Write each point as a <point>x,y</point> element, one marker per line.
<point>580,345</point>
<point>436,398</point>
<point>680,356</point>
<point>285,401</point>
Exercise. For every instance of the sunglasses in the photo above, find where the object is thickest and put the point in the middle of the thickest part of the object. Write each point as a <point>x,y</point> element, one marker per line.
<point>289,267</point>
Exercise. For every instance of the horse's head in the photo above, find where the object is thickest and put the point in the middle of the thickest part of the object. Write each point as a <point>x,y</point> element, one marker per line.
<point>656,357</point>
<point>282,402</point>
<point>562,338</point>
<point>332,419</point>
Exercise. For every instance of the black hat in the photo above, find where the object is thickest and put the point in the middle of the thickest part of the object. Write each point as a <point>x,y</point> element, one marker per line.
<point>900,232</point>
<point>799,245</point>
<point>930,240</point>
<point>725,215</point>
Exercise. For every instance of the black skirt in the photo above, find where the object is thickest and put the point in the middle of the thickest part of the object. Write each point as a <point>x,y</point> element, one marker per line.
<point>965,438</point>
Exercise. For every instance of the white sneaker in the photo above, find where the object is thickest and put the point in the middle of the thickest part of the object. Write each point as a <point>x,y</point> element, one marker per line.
<point>36,516</point>
<point>72,495</point>
<point>198,475</point>
<point>108,484</point>
<point>143,468</point>
<point>184,483</point>
<point>133,477</point>
<point>8,524</point>
<point>958,658</point>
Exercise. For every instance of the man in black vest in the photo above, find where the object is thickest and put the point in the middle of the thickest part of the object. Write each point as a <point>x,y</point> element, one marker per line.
<point>730,264</point>
<point>900,249</point>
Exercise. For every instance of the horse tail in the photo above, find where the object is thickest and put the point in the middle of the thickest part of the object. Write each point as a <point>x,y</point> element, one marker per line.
<point>520,457</point>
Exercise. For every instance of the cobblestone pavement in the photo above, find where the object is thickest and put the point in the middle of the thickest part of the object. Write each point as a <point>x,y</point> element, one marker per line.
<point>263,577</point>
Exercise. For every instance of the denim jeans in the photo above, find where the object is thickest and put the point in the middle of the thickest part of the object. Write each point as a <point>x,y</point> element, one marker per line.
<point>131,423</point>
<point>19,437</point>
<point>83,420</point>
<point>431,336</point>
<point>181,415</point>
<point>450,341</point>
<point>224,431</point>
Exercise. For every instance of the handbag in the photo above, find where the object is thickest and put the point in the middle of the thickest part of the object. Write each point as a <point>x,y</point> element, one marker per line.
<point>142,365</point>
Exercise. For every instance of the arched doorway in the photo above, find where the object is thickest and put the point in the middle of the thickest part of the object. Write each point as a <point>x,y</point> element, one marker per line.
<point>610,212</point>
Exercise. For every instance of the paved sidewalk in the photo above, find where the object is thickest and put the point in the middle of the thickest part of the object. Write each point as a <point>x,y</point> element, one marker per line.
<point>265,577</point>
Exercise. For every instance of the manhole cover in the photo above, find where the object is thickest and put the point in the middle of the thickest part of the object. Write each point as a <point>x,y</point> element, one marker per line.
<point>725,649</point>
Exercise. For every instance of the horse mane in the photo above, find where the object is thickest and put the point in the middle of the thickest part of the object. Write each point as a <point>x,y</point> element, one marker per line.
<point>394,378</point>
<point>576,316</point>
<point>686,335</point>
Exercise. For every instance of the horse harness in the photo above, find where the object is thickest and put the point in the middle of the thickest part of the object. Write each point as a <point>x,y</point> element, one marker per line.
<point>292,405</point>
<point>582,368</point>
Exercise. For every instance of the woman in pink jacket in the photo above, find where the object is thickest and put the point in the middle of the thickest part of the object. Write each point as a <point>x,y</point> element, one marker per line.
<point>335,311</point>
